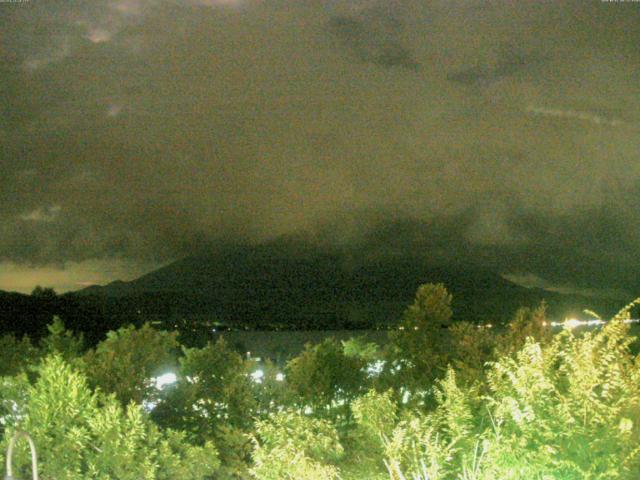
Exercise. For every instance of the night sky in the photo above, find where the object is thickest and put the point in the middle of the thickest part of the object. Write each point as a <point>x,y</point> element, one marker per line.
<point>135,132</point>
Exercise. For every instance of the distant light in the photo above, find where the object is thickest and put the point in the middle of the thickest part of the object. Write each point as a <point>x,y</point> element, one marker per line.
<point>572,323</point>
<point>374,369</point>
<point>164,380</point>
<point>279,377</point>
<point>257,376</point>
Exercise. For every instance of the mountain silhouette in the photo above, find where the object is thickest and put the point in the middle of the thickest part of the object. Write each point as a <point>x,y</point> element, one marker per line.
<point>286,284</point>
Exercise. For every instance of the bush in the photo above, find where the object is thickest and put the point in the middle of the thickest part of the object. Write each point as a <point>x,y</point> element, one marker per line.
<point>420,347</point>
<point>435,444</point>
<point>293,446</point>
<point>16,355</point>
<point>212,400</point>
<point>81,434</point>
<point>519,404</point>
<point>569,409</point>
<point>128,359</point>
<point>323,375</point>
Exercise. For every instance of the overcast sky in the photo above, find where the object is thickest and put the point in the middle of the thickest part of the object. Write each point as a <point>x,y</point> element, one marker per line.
<point>134,132</point>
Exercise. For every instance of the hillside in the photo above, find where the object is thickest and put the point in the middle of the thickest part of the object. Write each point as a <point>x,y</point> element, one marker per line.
<point>275,286</point>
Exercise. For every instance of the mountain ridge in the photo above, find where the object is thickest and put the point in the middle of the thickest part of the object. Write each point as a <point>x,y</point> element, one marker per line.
<point>268,285</point>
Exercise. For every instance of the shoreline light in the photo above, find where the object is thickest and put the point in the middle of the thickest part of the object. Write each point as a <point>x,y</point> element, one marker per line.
<point>572,323</point>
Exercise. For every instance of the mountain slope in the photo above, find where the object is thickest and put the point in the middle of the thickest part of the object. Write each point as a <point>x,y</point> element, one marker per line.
<point>275,285</point>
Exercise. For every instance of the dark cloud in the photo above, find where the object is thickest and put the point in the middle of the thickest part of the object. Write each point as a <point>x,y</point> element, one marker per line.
<point>510,60</point>
<point>147,129</point>
<point>379,46</point>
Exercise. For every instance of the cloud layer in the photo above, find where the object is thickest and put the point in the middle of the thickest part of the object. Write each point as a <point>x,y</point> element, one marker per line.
<point>146,129</point>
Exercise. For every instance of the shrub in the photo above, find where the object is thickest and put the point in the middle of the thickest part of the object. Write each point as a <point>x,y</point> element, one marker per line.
<point>433,445</point>
<point>323,375</point>
<point>419,349</point>
<point>16,355</point>
<point>293,446</point>
<point>127,360</point>
<point>569,409</point>
<point>81,434</point>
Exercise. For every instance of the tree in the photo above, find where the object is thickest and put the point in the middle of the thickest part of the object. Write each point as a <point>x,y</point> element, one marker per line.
<point>271,390</point>
<point>568,408</point>
<point>472,346</point>
<point>128,360</point>
<point>16,355</point>
<point>359,347</point>
<point>527,323</point>
<point>221,384</point>
<point>435,445</point>
<point>85,435</point>
<point>212,400</point>
<point>294,446</point>
<point>420,347</point>
<point>44,293</point>
<point>14,393</point>
<point>322,375</point>
<point>376,416</point>
<point>62,341</point>
<point>430,308</point>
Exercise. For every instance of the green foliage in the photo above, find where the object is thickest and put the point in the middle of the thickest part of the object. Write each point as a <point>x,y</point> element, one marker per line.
<point>16,355</point>
<point>271,391</point>
<point>419,347</point>
<point>213,400</point>
<point>431,306</point>
<point>509,405</point>
<point>323,375</point>
<point>528,323</point>
<point>13,397</point>
<point>81,434</point>
<point>573,407</point>
<point>471,348</point>
<point>219,385</point>
<point>566,409</point>
<point>62,341</point>
<point>432,445</point>
<point>358,347</point>
<point>235,447</point>
<point>128,359</point>
<point>376,415</point>
<point>293,446</point>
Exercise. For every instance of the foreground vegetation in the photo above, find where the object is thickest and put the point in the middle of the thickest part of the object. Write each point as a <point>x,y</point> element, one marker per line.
<point>441,401</point>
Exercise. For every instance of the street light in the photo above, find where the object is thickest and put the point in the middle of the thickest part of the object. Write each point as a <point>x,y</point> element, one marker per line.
<point>34,457</point>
